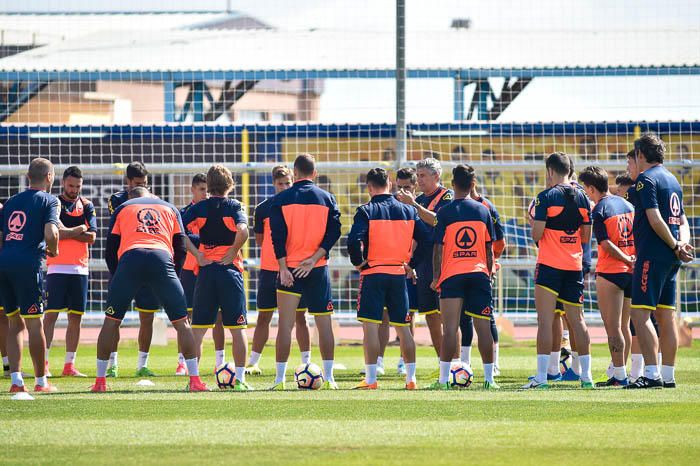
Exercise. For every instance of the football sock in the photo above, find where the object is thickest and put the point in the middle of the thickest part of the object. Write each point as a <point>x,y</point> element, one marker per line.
<point>280,369</point>
<point>495,354</point>
<point>668,373</point>
<point>305,357</point>
<point>651,372</point>
<point>542,364</point>
<point>575,363</point>
<point>466,355</point>
<point>70,357</point>
<point>636,366</point>
<point>5,361</point>
<point>17,379</point>
<point>240,374</point>
<point>380,361</point>
<point>113,359</point>
<point>620,373</point>
<point>488,372</point>
<point>47,353</point>
<point>659,360</point>
<point>610,371</point>
<point>401,361</point>
<point>143,360</point>
<point>254,358</point>
<point>41,381</point>
<point>410,372</point>
<point>102,367</point>
<point>219,357</point>
<point>370,373</point>
<point>192,367</point>
<point>585,360</point>
<point>553,364</point>
<point>328,370</point>
<point>444,371</point>
<point>180,358</point>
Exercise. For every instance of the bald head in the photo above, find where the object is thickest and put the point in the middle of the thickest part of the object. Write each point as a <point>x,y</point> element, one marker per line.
<point>138,191</point>
<point>40,173</point>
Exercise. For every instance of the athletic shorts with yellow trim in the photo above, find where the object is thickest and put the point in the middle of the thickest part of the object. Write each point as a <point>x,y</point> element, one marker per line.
<point>21,290</point>
<point>219,287</point>
<point>66,293</point>
<point>381,290</point>
<point>475,289</point>
<point>654,284</point>
<point>266,297</point>
<point>315,287</point>
<point>566,285</point>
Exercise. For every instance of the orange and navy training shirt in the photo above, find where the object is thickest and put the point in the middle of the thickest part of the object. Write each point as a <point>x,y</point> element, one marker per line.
<point>433,202</point>
<point>215,220</point>
<point>268,261</point>
<point>613,218</point>
<point>382,233</point>
<point>190,260</point>
<point>564,209</point>
<point>73,255</point>
<point>303,218</point>
<point>464,226</point>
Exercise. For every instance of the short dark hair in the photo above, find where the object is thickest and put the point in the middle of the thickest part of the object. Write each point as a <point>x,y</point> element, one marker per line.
<point>138,191</point>
<point>407,173</point>
<point>624,180</point>
<point>559,162</point>
<point>305,164</point>
<point>378,177</point>
<point>630,154</point>
<point>39,169</point>
<point>136,170</point>
<point>595,176</point>
<point>463,176</point>
<point>73,171</point>
<point>572,169</point>
<point>199,178</point>
<point>652,147</point>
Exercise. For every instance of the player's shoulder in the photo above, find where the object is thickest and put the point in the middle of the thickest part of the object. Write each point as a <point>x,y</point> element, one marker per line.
<point>448,195</point>
<point>546,195</point>
<point>122,195</point>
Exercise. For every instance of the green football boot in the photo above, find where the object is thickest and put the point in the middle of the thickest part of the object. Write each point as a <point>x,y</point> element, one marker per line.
<point>239,386</point>
<point>113,372</point>
<point>145,372</point>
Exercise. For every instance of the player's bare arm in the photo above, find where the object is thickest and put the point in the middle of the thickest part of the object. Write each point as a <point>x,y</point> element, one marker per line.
<point>407,197</point>
<point>241,237</point>
<point>51,236</point>
<point>71,233</point>
<point>437,265</point>
<point>305,266</point>
<point>661,229</point>
<point>538,230</point>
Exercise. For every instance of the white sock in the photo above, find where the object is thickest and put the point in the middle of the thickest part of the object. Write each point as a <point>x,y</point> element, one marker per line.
<point>219,357</point>
<point>240,374</point>
<point>254,358</point>
<point>41,381</point>
<point>495,355</point>
<point>466,355</point>
<point>668,373</point>
<point>456,361</point>
<point>192,367</point>
<point>143,360</point>
<point>651,371</point>
<point>5,361</point>
<point>610,370</point>
<point>380,361</point>
<point>280,370</point>
<point>553,364</point>
<point>620,373</point>
<point>180,358</point>
<point>575,363</point>
<point>585,360</point>
<point>70,357</point>
<point>102,367</point>
<point>113,359</point>
<point>47,354</point>
<point>444,371</point>
<point>17,379</point>
<point>636,366</point>
<point>305,357</point>
<point>565,334</point>
<point>328,370</point>
<point>542,364</point>
<point>488,372</point>
<point>370,373</point>
<point>410,372</point>
<point>659,360</point>
<point>401,362</point>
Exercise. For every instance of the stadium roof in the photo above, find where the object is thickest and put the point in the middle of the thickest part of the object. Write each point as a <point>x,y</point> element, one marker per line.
<point>273,54</point>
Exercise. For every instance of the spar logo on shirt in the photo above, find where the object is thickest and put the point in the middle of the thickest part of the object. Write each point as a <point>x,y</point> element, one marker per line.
<point>465,239</point>
<point>15,224</point>
<point>675,207</point>
<point>149,221</point>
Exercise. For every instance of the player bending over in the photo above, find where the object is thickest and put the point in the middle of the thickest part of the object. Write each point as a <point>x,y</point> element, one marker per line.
<point>146,248</point>
<point>380,245</point>
<point>463,264</point>
<point>305,224</point>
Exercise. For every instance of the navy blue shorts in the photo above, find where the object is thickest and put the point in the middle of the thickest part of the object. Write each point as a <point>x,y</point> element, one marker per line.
<point>654,284</point>
<point>188,280</point>
<point>267,292</point>
<point>219,287</point>
<point>66,293</point>
<point>475,289</point>
<point>428,300</point>
<point>412,289</point>
<point>21,290</point>
<point>381,290</point>
<point>621,280</point>
<point>152,269</point>
<point>566,285</point>
<point>316,287</point>
<point>146,300</point>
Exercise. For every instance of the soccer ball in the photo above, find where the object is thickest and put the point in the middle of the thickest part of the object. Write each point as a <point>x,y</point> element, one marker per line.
<point>225,376</point>
<point>461,375</point>
<point>308,376</point>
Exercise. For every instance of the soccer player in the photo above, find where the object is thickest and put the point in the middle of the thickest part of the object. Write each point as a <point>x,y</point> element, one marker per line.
<point>561,225</point>
<point>267,280</point>
<point>67,274</point>
<point>4,326</point>
<point>188,278</point>
<point>612,225</point>
<point>29,227</point>
<point>146,247</point>
<point>145,301</point>
<point>463,264</point>
<point>433,198</point>
<point>662,236</point>
<point>380,244</point>
<point>222,227</point>
<point>304,224</point>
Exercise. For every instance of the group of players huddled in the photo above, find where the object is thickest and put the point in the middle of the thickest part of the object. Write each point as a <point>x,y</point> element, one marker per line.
<point>435,254</point>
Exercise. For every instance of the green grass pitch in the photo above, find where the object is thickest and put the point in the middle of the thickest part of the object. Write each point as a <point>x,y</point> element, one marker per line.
<point>165,425</point>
